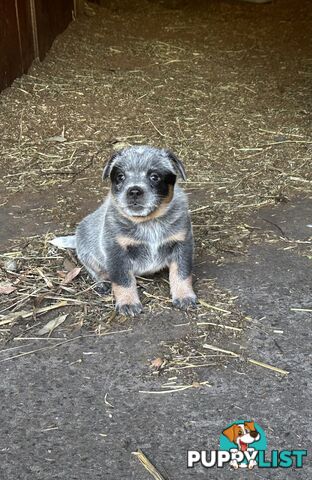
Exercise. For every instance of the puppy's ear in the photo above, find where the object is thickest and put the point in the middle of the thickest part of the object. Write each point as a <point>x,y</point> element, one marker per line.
<point>177,164</point>
<point>108,166</point>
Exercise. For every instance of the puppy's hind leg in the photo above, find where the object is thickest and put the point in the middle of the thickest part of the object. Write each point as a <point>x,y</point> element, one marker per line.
<point>180,276</point>
<point>97,272</point>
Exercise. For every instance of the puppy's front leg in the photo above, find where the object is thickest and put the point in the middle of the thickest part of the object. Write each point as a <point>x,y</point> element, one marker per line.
<point>127,298</point>
<point>124,285</point>
<point>180,276</point>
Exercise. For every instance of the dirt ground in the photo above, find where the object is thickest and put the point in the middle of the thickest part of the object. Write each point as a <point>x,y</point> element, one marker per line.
<point>227,86</point>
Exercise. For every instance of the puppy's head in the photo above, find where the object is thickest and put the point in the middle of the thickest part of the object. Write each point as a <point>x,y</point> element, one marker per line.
<point>143,179</point>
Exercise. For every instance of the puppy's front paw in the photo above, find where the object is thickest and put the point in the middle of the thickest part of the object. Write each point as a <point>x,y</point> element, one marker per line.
<point>129,310</point>
<point>185,303</point>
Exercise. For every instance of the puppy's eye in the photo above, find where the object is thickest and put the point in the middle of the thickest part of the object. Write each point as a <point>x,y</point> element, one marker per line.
<point>154,177</point>
<point>120,177</point>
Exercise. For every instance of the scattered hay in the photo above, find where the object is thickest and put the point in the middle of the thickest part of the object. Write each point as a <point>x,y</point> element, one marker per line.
<point>53,298</point>
<point>60,122</point>
<point>46,281</point>
<point>46,290</point>
<point>175,388</point>
<point>95,93</point>
<point>192,356</point>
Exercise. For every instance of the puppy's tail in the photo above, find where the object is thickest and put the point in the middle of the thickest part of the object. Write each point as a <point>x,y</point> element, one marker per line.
<point>64,242</point>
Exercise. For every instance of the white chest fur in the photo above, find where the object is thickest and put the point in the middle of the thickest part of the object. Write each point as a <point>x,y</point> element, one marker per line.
<point>152,237</point>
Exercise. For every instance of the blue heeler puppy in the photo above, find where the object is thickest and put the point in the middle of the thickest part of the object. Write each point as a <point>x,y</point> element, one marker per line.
<point>142,227</point>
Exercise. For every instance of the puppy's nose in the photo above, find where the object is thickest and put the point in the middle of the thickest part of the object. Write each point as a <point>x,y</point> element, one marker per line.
<point>135,192</point>
<point>254,433</point>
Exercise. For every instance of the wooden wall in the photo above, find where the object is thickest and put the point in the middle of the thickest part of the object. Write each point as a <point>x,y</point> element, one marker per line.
<point>53,16</point>
<point>27,31</point>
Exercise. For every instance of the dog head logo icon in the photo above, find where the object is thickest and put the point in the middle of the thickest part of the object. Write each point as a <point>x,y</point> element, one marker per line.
<point>246,437</point>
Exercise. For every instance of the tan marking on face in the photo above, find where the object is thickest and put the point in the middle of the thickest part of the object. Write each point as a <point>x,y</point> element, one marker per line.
<point>180,288</point>
<point>159,212</point>
<point>126,295</point>
<point>169,196</point>
<point>126,242</point>
<point>176,237</point>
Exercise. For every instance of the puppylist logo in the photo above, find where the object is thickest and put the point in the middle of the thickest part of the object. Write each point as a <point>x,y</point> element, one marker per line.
<point>243,445</point>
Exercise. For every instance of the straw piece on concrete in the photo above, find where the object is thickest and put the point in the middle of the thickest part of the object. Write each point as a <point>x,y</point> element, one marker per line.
<point>301,309</point>
<point>148,465</point>
<point>222,350</point>
<point>270,367</point>
<point>177,388</point>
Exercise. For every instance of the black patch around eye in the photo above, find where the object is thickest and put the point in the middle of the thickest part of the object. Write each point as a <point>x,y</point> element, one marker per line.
<point>116,182</point>
<point>166,179</point>
<point>170,178</point>
<point>115,172</point>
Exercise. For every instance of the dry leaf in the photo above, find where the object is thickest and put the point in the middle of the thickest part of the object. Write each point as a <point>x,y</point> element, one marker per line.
<point>12,317</point>
<point>157,363</point>
<point>61,273</point>
<point>196,384</point>
<point>71,275</point>
<point>52,325</point>
<point>120,145</point>
<point>57,138</point>
<point>69,265</point>
<point>6,289</point>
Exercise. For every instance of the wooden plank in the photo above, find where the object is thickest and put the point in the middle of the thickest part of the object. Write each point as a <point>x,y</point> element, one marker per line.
<point>53,16</point>
<point>25,32</point>
<point>10,55</point>
<point>79,7</point>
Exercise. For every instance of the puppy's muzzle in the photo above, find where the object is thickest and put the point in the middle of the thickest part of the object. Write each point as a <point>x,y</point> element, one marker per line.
<point>134,194</point>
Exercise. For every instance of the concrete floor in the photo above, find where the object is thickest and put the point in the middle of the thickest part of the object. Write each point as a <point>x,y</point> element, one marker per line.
<point>56,423</point>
